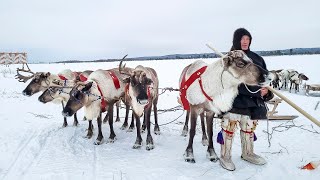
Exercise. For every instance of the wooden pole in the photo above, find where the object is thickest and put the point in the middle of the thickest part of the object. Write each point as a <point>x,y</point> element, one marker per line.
<point>314,120</point>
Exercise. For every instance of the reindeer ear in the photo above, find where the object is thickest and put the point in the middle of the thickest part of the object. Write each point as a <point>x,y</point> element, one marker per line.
<point>126,80</point>
<point>47,74</point>
<point>87,87</point>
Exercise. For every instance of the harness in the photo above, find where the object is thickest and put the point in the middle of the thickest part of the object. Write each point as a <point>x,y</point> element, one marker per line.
<point>185,84</point>
<point>116,83</point>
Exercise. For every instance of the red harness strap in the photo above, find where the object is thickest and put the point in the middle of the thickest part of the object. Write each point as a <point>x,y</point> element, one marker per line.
<point>185,84</point>
<point>62,77</point>
<point>248,132</point>
<point>228,132</point>
<point>103,102</point>
<point>83,78</point>
<point>115,79</point>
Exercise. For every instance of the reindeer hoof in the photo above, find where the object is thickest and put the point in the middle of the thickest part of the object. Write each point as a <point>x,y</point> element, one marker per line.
<point>184,132</point>
<point>130,129</point>
<point>137,146</point>
<point>64,125</point>
<point>212,156</point>
<point>118,119</point>
<point>98,142</point>
<point>157,132</point>
<point>143,130</point>
<point>188,156</point>
<point>190,160</point>
<point>111,140</point>
<point>124,126</point>
<point>149,147</point>
<point>75,124</point>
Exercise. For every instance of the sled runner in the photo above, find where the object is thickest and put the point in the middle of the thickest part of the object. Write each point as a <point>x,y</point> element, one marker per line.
<point>272,114</point>
<point>312,87</point>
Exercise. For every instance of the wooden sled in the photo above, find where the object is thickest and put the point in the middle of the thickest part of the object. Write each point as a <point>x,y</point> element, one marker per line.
<point>271,114</point>
<point>312,87</point>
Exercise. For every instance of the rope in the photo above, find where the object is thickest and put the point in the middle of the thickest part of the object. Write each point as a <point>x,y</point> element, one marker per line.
<point>170,121</point>
<point>170,89</point>
<point>253,92</point>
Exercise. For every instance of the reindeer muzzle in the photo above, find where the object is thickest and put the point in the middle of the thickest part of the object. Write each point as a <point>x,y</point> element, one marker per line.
<point>143,101</point>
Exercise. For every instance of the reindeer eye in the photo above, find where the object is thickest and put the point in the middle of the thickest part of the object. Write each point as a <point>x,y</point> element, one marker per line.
<point>77,95</point>
<point>241,64</point>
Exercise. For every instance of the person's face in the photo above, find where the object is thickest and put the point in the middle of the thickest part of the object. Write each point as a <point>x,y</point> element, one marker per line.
<point>245,41</point>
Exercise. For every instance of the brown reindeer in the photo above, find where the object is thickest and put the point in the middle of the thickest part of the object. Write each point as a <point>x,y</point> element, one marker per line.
<point>142,93</point>
<point>41,81</point>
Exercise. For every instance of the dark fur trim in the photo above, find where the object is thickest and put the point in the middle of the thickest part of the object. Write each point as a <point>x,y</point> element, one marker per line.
<point>237,35</point>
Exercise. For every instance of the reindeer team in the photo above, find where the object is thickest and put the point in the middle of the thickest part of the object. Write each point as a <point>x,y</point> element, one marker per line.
<point>205,90</point>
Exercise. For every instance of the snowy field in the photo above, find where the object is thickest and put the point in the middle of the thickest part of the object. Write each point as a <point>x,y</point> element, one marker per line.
<point>35,146</point>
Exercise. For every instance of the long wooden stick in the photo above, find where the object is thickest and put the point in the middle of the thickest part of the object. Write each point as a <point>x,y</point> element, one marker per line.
<point>314,120</point>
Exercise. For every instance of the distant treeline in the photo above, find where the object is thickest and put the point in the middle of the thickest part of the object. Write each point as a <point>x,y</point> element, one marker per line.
<point>295,51</point>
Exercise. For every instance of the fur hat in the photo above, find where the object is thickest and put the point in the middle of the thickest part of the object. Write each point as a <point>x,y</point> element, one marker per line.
<point>237,35</point>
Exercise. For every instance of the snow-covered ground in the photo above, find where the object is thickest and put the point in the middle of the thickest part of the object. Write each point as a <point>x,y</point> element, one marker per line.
<point>35,146</point>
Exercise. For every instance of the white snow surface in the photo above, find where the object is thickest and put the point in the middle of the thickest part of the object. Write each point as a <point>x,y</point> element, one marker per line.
<point>35,146</point>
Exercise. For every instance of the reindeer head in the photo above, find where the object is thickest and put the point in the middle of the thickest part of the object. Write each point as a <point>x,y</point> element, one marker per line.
<point>53,93</point>
<point>242,68</point>
<point>138,91</point>
<point>38,83</point>
<point>303,77</point>
<point>78,98</point>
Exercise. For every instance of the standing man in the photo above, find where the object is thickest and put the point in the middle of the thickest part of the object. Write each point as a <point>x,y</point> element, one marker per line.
<point>248,108</point>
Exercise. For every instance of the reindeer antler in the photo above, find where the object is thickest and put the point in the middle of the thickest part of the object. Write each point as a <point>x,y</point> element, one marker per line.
<point>22,78</point>
<point>121,67</point>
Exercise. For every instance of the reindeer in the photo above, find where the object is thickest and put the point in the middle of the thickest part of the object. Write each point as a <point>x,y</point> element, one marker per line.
<point>275,82</point>
<point>60,93</point>
<point>96,95</point>
<point>42,81</point>
<point>215,90</point>
<point>142,93</point>
<point>296,79</point>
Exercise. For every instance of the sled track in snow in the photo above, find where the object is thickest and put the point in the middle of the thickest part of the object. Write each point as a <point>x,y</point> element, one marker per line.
<point>24,150</point>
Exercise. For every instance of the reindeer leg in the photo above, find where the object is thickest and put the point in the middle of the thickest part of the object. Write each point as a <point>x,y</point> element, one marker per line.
<point>211,154</point>
<point>75,120</point>
<point>112,134</point>
<point>118,107</point>
<point>138,142</point>
<point>149,141</point>
<point>105,120</point>
<point>203,127</point>
<point>100,136</point>
<point>143,128</point>
<point>65,122</point>
<point>155,113</point>
<point>131,128</point>
<point>188,155</point>
<point>90,130</point>
<point>125,123</point>
<point>185,127</point>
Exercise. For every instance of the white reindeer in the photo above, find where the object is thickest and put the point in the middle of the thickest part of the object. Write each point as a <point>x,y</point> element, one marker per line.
<point>211,88</point>
<point>98,94</point>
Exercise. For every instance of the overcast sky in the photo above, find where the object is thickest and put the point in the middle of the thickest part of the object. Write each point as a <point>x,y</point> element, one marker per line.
<point>54,30</point>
